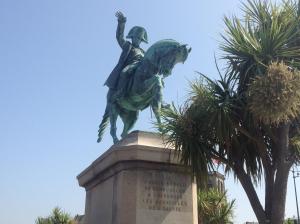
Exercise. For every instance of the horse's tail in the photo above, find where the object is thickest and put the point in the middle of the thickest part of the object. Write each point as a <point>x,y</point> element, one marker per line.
<point>103,125</point>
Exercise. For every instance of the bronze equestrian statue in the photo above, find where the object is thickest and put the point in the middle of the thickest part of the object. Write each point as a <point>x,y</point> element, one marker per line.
<point>137,80</point>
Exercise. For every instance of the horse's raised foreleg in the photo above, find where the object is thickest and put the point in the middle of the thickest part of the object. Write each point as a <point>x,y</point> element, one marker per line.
<point>157,101</point>
<point>156,107</point>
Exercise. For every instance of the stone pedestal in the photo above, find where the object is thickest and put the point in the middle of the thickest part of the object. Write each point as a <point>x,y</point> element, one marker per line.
<point>139,181</point>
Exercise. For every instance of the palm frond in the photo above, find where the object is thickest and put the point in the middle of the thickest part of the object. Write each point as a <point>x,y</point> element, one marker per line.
<point>269,33</point>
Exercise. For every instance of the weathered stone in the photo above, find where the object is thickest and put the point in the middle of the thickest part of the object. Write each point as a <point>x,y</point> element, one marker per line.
<point>139,181</point>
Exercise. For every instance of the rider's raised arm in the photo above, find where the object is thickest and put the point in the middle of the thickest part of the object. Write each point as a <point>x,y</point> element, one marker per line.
<point>120,29</point>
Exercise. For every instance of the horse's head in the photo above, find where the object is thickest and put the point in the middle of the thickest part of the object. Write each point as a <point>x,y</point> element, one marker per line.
<point>165,54</point>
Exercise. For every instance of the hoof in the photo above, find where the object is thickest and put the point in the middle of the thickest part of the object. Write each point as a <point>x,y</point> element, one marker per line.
<point>123,135</point>
<point>116,140</point>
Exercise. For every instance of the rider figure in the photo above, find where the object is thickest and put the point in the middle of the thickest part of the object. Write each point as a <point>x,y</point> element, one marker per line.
<point>130,57</point>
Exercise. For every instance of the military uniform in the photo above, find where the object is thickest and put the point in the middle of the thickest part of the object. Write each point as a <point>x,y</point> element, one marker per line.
<point>129,59</point>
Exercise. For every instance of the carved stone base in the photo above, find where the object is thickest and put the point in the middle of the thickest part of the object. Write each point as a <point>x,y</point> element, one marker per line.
<point>138,181</point>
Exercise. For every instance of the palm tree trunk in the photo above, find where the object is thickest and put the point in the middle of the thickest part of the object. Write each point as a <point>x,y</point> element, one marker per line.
<point>283,166</point>
<point>247,184</point>
<point>269,188</point>
<point>279,195</point>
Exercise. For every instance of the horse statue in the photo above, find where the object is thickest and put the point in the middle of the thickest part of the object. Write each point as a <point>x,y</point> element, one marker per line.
<point>143,87</point>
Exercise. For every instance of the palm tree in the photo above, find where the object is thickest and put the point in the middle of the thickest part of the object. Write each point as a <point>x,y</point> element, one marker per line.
<point>57,217</point>
<point>213,207</point>
<point>289,221</point>
<point>248,119</point>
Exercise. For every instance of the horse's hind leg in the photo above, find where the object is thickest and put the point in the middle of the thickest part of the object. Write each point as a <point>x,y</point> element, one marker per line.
<point>113,123</point>
<point>129,118</point>
<point>113,115</point>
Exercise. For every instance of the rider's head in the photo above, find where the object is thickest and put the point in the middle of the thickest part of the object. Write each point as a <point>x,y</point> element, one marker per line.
<point>137,35</point>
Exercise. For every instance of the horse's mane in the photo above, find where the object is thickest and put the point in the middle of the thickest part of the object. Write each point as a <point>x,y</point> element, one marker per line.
<point>161,48</point>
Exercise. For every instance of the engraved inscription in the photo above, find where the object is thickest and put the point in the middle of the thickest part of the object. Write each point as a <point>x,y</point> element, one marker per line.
<point>164,191</point>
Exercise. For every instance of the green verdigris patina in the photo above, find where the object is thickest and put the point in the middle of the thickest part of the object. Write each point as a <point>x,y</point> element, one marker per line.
<point>137,80</point>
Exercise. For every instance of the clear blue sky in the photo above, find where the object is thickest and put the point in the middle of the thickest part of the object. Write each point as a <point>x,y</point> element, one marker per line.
<point>54,58</point>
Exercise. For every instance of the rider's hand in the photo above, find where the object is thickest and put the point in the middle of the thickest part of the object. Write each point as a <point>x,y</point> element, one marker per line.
<point>120,16</point>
